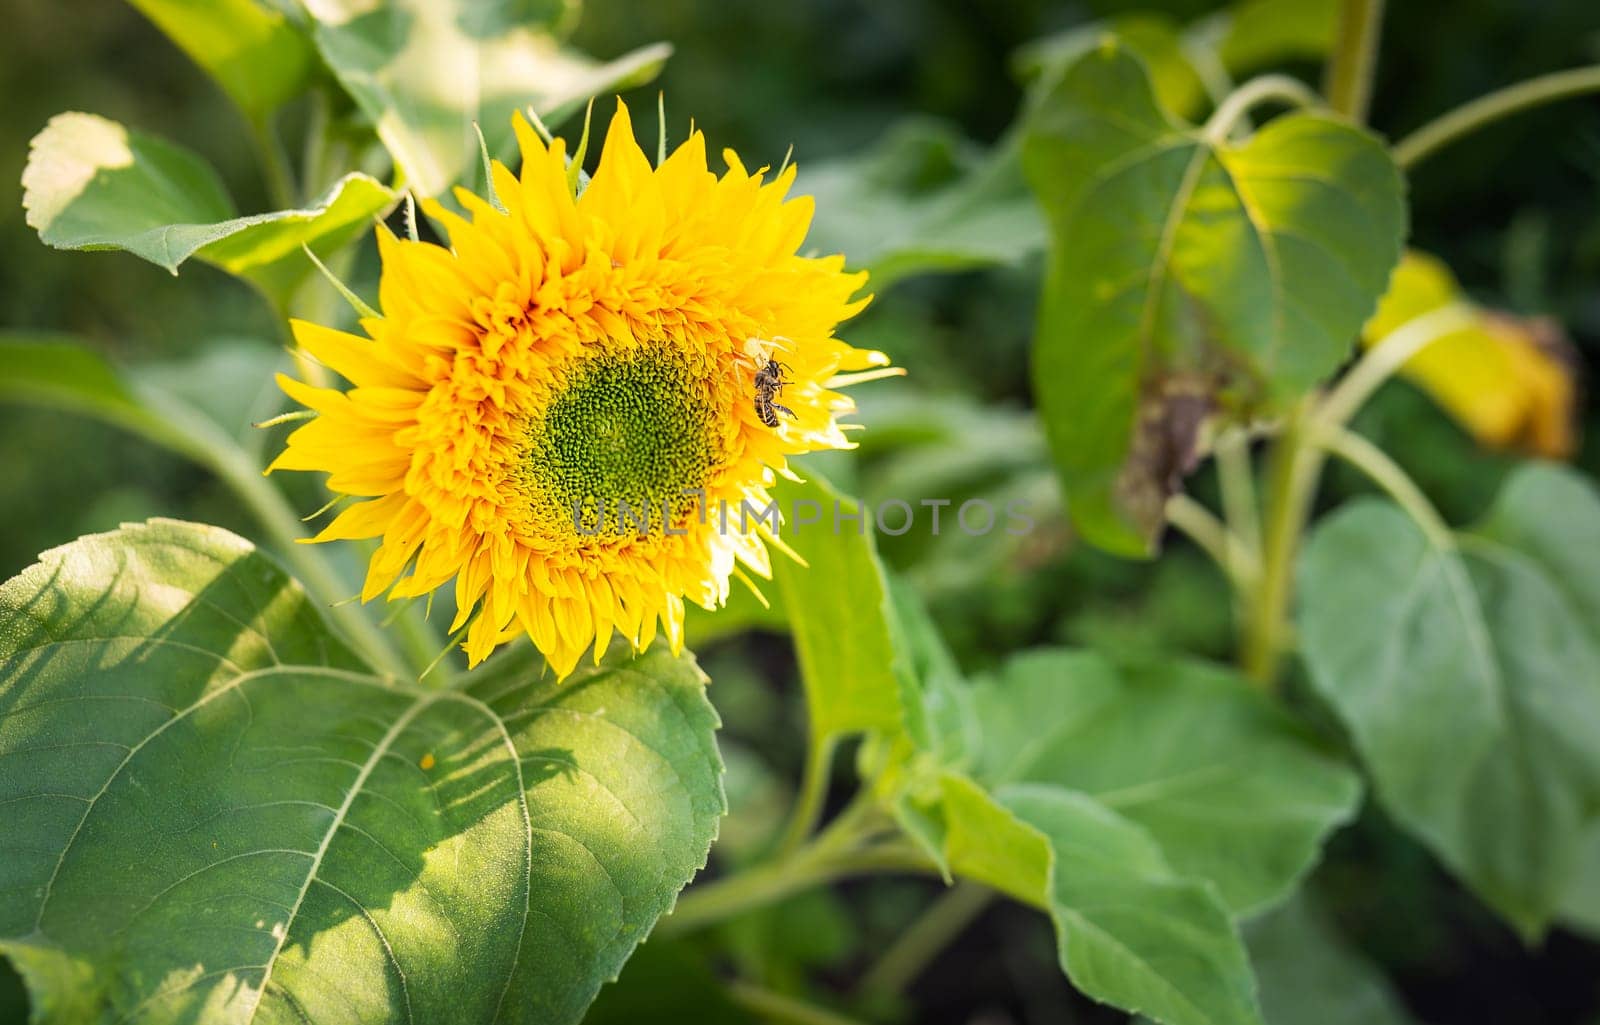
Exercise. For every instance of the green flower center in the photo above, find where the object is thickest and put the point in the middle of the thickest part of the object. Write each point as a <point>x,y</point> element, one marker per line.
<point>637,430</point>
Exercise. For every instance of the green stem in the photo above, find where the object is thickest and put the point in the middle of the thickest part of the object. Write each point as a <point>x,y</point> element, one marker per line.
<point>420,642</point>
<point>274,164</point>
<point>1388,355</point>
<point>1355,58</point>
<point>938,926</point>
<point>1296,466</point>
<point>781,1009</point>
<point>1267,88</point>
<point>1485,110</point>
<point>198,440</point>
<point>1236,477</point>
<point>815,776</point>
<point>1204,529</point>
<point>1388,475</point>
<point>842,849</point>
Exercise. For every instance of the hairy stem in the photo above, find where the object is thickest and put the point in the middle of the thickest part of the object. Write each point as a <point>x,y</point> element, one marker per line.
<point>1486,110</point>
<point>1355,58</point>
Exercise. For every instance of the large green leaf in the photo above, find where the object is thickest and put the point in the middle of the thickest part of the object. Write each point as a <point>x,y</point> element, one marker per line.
<point>1189,275</point>
<point>91,183</point>
<point>1226,784</point>
<point>1469,677</point>
<point>1256,33</point>
<point>838,611</point>
<point>1309,975</point>
<point>216,814</point>
<point>1129,930</point>
<point>1153,38</point>
<point>425,71</point>
<point>253,52</point>
<point>923,200</point>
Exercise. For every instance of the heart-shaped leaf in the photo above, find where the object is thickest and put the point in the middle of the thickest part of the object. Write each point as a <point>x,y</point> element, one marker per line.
<point>1469,677</point>
<point>215,813</point>
<point>91,183</point>
<point>1189,275</point>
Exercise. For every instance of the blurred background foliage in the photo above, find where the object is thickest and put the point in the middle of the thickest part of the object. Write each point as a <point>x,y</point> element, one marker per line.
<point>886,103</point>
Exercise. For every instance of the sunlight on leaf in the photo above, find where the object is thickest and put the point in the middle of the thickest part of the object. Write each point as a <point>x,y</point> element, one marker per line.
<point>1153,38</point>
<point>494,852</point>
<point>91,184</point>
<point>424,72</point>
<point>837,606</point>
<point>1189,276</point>
<point>252,50</point>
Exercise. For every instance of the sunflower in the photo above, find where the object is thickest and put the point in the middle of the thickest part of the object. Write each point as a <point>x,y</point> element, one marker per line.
<point>553,410</point>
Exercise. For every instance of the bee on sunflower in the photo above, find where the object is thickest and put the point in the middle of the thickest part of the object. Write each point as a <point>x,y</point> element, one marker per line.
<point>573,352</point>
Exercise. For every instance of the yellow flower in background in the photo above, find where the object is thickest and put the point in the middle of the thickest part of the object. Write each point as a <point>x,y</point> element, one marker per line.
<point>569,353</point>
<point>1507,380</point>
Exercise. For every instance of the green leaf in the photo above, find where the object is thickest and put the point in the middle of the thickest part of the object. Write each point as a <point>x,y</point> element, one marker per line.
<point>923,200</point>
<point>215,813</point>
<point>1187,276</point>
<point>1470,679</point>
<point>254,53</point>
<point>1258,33</point>
<point>59,372</point>
<point>425,70</point>
<point>201,408</point>
<point>1309,975</point>
<point>838,611</point>
<point>93,184</point>
<point>1227,784</point>
<point>1129,931</point>
<point>1153,38</point>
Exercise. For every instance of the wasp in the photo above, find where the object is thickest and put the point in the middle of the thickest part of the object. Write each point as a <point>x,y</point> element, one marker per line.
<point>769,385</point>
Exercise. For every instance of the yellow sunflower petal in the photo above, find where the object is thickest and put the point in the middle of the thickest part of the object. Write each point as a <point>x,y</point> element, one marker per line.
<point>551,410</point>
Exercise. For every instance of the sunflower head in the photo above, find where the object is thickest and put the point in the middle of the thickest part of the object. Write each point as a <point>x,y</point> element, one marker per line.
<point>551,410</point>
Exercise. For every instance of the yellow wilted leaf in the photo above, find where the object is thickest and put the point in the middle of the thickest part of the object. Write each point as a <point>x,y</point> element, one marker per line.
<point>1508,380</point>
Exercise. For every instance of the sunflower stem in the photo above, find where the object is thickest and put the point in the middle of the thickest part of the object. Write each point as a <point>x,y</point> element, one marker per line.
<point>1355,58</point>
<point>815,864</point>
<point>1296,466</point>
<point>1486,110</point>
<point>815,776</point>
<point>1383,471</point>
<point>210,448</point>
<point>781,1009</point>
<point>916,947</point>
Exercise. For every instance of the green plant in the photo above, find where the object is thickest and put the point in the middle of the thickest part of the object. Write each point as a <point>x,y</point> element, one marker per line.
<point>234,794</point>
